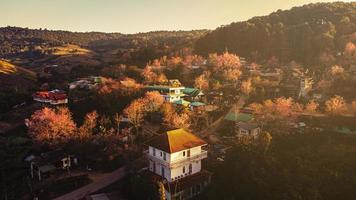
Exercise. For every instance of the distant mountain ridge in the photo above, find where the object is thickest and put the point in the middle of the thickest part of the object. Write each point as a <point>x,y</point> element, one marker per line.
<point>15,40</point>
<point>304,34</point>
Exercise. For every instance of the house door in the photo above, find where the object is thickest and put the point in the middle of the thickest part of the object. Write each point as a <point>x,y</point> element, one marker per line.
<point>162,171</point>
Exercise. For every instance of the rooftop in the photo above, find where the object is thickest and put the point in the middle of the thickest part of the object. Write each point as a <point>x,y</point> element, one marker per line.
<point>247,126</point>
<point>182,102</point>
<point>238,117</point>
<point>176,140</point>
<point>192,92</point>
<point>49,157</point>
<point>51,95</point>
<point>196,103</point>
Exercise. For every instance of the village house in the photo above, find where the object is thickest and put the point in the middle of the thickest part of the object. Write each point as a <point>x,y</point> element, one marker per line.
<point>197,106</point>
<point>54,97</point>
<point>193,94</point>
<point>238,117</point>
<point>86,83</point>
<point>175,158</point>
<point>175,93</point>
<point>48,163</point>
<point>171,92</point>
<point>244,123</point>
<point>247,129</point>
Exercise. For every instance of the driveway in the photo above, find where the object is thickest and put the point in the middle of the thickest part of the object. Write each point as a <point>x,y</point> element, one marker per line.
<point>103,182</point>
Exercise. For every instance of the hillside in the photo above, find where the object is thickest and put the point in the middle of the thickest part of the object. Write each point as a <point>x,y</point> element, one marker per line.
<point>33,43</point>
<point>16,84</point>
<point>309,34</point>
<point>9,69</point>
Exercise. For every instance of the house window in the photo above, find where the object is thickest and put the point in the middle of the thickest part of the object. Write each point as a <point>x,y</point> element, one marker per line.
<point>190,168</point>
<point>164,156</point>
<point>154,152</point>
<point>198,188</point>
<point>183,169</point>
<point>188,153</point>
<point>183,153</point>
<point>161,153</point>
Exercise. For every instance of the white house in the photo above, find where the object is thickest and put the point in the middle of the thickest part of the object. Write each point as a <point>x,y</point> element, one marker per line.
<point>247,129</point>
<point>176,156</point>
<point>171,92</point>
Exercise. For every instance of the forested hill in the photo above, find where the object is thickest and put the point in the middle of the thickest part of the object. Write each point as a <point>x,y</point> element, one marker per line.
<point>306,34</point>
<point>15,40</point>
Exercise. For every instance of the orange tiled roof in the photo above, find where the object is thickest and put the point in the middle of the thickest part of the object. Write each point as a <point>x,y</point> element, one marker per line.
<point>176,140</point>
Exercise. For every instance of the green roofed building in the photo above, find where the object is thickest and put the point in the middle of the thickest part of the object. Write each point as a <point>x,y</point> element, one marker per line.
<point>198,107</point>
<point>182,102</point>
<point>192,92</point>
<point>238,117</point>
<point>197,104</point>
<point>169,93</point>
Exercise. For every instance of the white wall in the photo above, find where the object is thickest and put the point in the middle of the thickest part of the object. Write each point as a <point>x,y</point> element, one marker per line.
<point>159,154</point>
<point>254,132</point>
<point>158,171</point>
<point>177,172</point>
<point>179,155</point>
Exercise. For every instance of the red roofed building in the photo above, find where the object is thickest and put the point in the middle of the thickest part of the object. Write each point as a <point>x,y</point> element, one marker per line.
<point>175,157</point>
<point>53,97</point>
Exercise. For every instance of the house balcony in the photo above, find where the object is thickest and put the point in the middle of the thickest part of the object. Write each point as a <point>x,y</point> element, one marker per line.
<point>179,162</point>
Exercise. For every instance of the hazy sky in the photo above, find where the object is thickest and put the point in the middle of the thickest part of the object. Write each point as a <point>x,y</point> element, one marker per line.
<point>130,16</point>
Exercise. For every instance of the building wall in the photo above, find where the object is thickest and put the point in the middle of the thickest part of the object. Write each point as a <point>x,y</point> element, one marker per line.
<point>157,167</point>
<point>177,173</point>
<point>171,97</point>
<point>183,154</point>
<point>253,132</point>
<point>159,154</point>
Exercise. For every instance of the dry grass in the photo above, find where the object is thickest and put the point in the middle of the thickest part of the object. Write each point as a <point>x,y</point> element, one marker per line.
<point>8,68</point>
<point>70,49</point>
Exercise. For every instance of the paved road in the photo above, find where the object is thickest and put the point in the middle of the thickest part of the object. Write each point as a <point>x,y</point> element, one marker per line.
<point>103,182</point>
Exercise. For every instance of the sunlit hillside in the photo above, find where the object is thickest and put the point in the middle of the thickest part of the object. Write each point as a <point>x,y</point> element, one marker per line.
<point>8,68</point>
